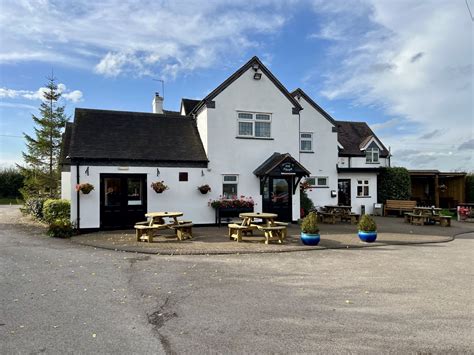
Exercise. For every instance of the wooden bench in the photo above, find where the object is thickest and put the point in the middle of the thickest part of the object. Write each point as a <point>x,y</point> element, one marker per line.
<point>444,221</point>
<point>273,233</point>
<point>236,230</point>
<point>399,205</point>
<point>183,230</point>
<point>144,232</point>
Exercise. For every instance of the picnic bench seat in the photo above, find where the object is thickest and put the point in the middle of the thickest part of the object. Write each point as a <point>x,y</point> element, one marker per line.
<point>352,217</point>
<point>326,217</point>
<point>399,205</point>
<point>444,221</point>
<point>144,232</point>
<point>417,219</point>
<point>183,230</point>
<point>236,230</point>
<point>273,233</point>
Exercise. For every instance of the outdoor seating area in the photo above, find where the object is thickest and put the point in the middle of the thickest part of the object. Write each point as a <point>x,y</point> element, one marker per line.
<point>332,214</point>
<point>272,230</point>
<point>401,206</point>
<point>146,231</point>
<point>427,215</point>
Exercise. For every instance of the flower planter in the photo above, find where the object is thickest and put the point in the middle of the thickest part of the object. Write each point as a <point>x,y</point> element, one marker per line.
<point>368,237</point>
<point>310,239</point>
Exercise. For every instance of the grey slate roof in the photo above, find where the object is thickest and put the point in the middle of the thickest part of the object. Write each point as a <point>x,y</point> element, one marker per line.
<point>188,105</point>
<point>102,135</point>
<point>352,134</point>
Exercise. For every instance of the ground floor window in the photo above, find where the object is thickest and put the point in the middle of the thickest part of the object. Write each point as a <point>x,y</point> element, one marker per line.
<point>363,188</point>
<point>229,185</point>
<point>317,181</point>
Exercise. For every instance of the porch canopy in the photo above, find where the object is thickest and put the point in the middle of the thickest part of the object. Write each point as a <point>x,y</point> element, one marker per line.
<point>281,166</point>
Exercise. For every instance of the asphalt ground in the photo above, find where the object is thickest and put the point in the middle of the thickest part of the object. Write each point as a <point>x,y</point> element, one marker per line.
<point>60,297</point>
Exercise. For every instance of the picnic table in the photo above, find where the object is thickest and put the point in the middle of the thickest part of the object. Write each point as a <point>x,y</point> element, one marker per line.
<point>272,229</point>
<point>161,221</point>
<point>333,213</point>
<point>427,215</point>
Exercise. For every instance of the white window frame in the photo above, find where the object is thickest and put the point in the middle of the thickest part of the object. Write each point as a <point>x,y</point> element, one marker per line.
<point>307,140</point>
<point>236,182</point>
<point>253,120</point>
<point>363,183</point>
<point>371,154</point>
<point>316,182</point>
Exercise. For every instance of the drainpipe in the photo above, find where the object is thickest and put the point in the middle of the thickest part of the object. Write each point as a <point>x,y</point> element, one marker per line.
<point>78,203</point>
<point>299,137</point>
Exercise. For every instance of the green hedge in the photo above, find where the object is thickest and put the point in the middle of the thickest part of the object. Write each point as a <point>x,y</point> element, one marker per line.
<point>60,228</point>
<point>56,209</point>
<point>393,184</point>
<point>11,181</point>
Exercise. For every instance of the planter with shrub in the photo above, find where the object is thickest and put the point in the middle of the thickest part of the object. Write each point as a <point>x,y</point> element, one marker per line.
<point>310,230</point>
<point>367,229</point>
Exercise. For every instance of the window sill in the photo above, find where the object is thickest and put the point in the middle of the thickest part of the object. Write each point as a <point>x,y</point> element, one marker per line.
<point>378,163</point>
<point>307,151</point>
<point>257,138</point>
<point>364,196</point>
<point>320,187</point>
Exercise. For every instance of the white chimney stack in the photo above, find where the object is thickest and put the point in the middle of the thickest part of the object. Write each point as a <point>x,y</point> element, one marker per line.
<point>157,103</point>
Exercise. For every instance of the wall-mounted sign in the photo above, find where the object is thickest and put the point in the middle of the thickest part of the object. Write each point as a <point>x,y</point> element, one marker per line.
<point>287,167</point>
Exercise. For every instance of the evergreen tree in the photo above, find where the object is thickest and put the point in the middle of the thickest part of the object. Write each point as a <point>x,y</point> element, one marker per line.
<point>42,157</point>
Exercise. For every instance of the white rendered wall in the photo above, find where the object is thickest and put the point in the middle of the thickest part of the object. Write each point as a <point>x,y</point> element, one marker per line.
<point>356,202</point>
<point>360,162</point>
<point>230,155</point>
<point>182,196</point>
<point>323,162</point>
<point>66,185</point>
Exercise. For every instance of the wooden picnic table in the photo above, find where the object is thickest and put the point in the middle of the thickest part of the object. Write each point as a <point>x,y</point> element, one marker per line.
<point>341,213</point>
<point>430,215</point>
<point>158,217</point>
<point>156,221</point>
<point>272,230</point>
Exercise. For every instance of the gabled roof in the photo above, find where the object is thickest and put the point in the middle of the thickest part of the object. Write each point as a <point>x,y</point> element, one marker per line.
<point>351,135</point>
<point>300,92</point>
<point>188,105</point>
<point>237,75</point>
<point>271,165</point>
<point>102,135</point>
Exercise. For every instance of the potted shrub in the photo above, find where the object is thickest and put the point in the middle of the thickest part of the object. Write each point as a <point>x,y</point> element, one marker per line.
<point>85,188</point>
<point>310,229</point>
<point>204,189</point>
<point>367,229</point>
<point>159,186</point>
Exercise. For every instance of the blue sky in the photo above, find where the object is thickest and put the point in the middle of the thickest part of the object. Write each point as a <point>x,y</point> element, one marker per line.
<point>404,67</point>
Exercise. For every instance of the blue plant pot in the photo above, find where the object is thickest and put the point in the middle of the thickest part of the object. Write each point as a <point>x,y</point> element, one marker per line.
<point>310,239</point>
<point>368,237</point>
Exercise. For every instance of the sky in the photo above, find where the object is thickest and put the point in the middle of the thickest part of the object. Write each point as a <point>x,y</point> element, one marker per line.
<point>404,67</point>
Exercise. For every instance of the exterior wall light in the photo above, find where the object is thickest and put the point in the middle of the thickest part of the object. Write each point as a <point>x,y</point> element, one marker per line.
<point>257,76</point>
<point>157,172</point>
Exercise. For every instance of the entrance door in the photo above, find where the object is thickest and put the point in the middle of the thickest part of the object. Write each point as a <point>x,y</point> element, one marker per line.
<point>277,197</point>
<point>122,200</point>
<point>344,192</point>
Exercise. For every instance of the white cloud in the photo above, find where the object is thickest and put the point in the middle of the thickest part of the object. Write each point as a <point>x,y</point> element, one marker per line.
<point>115,37</point>
<point>74,96</point>
<point>414,62</point>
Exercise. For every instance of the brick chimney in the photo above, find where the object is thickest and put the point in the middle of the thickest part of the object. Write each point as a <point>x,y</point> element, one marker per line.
<point>157,103</point>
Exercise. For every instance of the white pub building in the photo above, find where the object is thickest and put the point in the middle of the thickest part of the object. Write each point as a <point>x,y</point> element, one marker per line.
<point>250,136</point>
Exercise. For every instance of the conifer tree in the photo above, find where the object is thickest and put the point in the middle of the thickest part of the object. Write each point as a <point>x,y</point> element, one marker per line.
<point>41,171</point>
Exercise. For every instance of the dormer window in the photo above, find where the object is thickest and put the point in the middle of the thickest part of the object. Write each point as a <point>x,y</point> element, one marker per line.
<point>372,155</point>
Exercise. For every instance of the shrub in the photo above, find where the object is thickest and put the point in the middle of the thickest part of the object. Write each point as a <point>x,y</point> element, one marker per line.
<point>11,181</point>
<point>393,184</point>
<point>367,224</point>
<point>60,228</point>
<point>56,209</point>
<point>310,224</point>
<point>306,204</point>
<point>34,207</point>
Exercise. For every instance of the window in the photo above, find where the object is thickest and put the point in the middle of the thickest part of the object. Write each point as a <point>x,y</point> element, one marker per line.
<point>372,155</point>
<point>229,185</point>
<point>317,181</point>
<point>306,142</point>
<point>362,188</point>
<point>255,125</point>
<point>183,176</point>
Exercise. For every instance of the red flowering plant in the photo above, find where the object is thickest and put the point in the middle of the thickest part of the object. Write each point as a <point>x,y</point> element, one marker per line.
<point>305,185</point>
<point>85,187</point>
<point>234,202</point>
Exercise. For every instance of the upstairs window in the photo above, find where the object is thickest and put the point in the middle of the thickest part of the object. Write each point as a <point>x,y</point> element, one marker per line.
<point>372,155</point>
<point>256,125</point>
<point>306,142</point>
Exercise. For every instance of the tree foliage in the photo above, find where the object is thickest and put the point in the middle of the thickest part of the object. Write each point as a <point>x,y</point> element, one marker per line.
<point>11,181</point>
<point>41,170</point>
<point>394,184</point>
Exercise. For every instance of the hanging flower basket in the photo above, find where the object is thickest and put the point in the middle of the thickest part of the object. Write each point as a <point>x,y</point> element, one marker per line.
<point>204,189</point>
<point>85,188</point>
<point>159,186</point>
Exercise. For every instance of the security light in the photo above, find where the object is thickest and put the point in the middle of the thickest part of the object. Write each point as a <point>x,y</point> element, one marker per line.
<point>257,76</point>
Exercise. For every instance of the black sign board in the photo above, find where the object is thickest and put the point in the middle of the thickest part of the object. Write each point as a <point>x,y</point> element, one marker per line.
<point>287,167</point>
